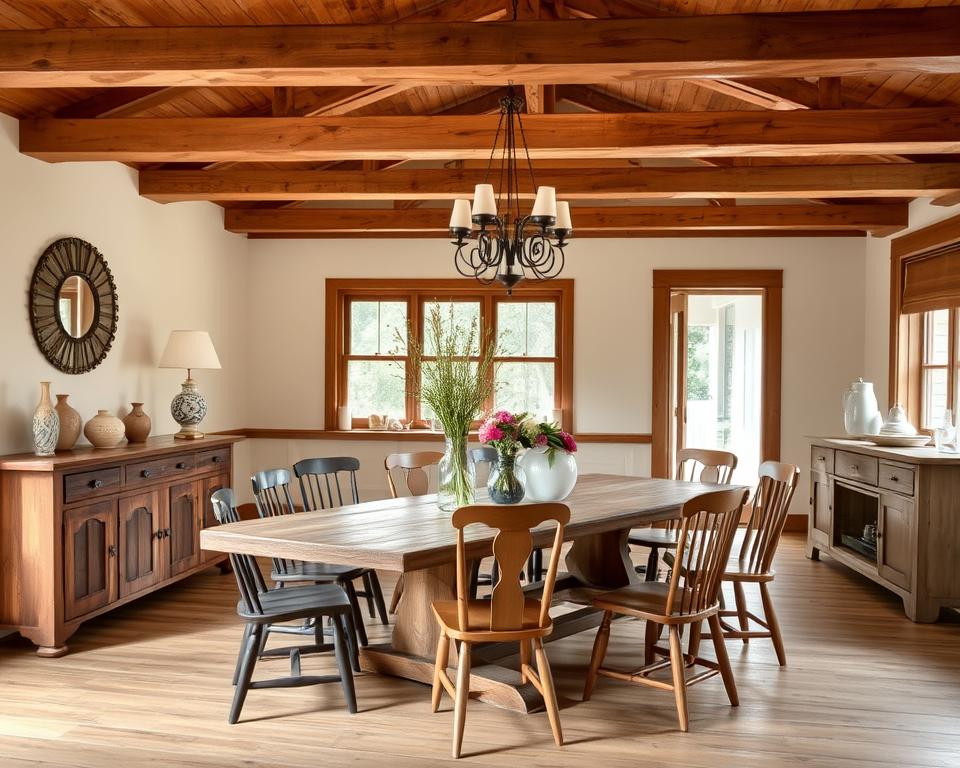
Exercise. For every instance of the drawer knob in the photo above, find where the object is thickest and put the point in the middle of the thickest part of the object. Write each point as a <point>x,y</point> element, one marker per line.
<point>181,465</point>
<point>855,467</point>
<point>216,459</point>
<point>96,483</point>
<point>894,479</point>
<point>112,550</point>
<point>146,473</point>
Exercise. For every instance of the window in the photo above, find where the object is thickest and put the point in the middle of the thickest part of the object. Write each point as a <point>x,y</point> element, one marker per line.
<point>369,323</point>
<point>938,364</point>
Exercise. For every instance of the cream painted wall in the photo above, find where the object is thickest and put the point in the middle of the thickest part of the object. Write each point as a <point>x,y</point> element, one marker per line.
<point>823,336</point>
<point>174,267</point>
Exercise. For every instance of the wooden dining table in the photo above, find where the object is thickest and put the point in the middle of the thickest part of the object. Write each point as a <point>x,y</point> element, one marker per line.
<point>413,536</point>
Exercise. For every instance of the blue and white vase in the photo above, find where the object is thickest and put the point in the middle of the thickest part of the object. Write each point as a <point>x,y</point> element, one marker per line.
<point>188,409</point>
<point>46,424</point>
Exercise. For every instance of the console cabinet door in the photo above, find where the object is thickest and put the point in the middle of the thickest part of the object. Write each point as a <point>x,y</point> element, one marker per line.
<point>821,510</point>
<point>182,530</point>
<point>895,545</point>
<point>141,562</point>
<point>211,485</point>
<point>89,558</point>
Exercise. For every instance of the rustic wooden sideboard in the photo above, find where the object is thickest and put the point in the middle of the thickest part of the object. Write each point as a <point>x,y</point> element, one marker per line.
<point>90,529</point>
<point>912,497</point>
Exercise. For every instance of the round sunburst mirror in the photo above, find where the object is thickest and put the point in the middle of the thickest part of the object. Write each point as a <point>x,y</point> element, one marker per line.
<point>73,305</point>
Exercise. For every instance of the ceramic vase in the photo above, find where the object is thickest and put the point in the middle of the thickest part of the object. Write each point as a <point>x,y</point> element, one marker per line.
<point>46,424</point>
<point>546,481</point>
<point>506,482</point>
<point>861,414</point>
<point>457,476</point>
<point>104,430</point>
<point>136,424</point>
<point>70,424</point>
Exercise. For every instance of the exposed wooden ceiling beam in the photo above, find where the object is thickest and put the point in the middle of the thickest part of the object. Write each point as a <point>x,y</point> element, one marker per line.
<point>877,218</point>
<point>121,102</point>
<point>746,45</point>
<point>897,180</point>
<point>639,134</point>
<point>581,234</point>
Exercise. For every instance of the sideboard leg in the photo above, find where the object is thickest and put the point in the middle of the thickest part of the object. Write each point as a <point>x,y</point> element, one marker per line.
<point>52,652</point>
<point>921,611</point>
<point>812,552</point>
<point>224,566</point>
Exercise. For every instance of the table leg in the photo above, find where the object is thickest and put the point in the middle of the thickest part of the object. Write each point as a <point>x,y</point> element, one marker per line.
<point>602,560</point>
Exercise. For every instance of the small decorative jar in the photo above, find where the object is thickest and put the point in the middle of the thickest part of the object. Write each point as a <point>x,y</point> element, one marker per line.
<point>70,424</point>
<point>46,424</point>
<point>104,430</point>
<point>137,424</point>
<point>546,480</point>
<point>506,482</point>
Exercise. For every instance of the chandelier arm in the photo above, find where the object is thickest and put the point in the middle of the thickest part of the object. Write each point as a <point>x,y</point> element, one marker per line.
<point>496,138</point>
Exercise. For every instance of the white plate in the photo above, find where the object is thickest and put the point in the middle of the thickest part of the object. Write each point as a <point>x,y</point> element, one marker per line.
<point>898,441</point>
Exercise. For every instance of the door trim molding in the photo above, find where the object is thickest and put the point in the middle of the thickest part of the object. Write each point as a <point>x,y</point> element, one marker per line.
<point>770,281</point>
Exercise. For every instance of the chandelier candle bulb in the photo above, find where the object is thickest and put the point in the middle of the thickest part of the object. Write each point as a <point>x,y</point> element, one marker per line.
<point>563,217</point>
<point>545,206</point>
<point>484,201</point>
<point>460,218</point>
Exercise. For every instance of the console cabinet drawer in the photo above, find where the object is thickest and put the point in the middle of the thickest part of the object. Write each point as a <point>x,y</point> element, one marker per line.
<point>856,466</point>
<point>217,459</point>
<point>163,467</point>
<point>896,478</point>
<point>84,485</point>
<point>821,460</point>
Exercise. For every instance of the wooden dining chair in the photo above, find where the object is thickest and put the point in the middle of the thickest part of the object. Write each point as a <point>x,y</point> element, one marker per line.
<point>693,465</point>
<point>271,492</point>
<point>753,561</point>
<point>705,536</point>
<point>509,616</point>
<point>261,608</point>
<point>321,487</point>
<point>411,465</point>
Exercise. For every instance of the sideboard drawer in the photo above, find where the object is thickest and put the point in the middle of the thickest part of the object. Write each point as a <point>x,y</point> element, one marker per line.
<point>163,467</point>
<point>896,478</point>
<point>821,460</point>
<point>856,466</point>
<point>85,485</point>
<point>217,459</point>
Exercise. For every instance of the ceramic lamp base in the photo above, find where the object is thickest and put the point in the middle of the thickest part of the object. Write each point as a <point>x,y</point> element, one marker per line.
<point>188,409</point>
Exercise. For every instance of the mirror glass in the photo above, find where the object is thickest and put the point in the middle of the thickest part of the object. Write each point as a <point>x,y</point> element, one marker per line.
<point>75,304</point>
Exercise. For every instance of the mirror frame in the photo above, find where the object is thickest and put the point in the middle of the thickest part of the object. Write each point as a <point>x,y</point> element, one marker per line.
<point>62,259</point>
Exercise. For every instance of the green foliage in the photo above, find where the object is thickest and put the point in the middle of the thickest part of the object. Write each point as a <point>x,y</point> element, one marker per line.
<point>698,364</point>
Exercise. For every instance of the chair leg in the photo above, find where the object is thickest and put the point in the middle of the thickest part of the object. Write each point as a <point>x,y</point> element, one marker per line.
<point>397,592</point>
<point>653,564</point>
<point>741,601</point>
<point>526,651</point>
<point>599,652</point>
<point>341,649</point>
<point>770,616</point>
<point>549,693</point>
<point>693,644</point>
<point>474,579</point>
<point>368,594</point>
<point>443,653</point>
<point>247,629</point>
<point>463,693</point>
<point>538,554</point>
<point>247,662</point>
<point>378,597</point>
<point>494,575</point>
<point>726,672</point>
<point>679,677</point>
<point>350,628</point>
<point>355,606</point>
<point>650,638</point>
<point>531,567</point>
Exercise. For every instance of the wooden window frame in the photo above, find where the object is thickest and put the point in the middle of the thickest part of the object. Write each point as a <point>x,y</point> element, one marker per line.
<point>666,282</point>
<point>340,291</point>
<point>906,331</point>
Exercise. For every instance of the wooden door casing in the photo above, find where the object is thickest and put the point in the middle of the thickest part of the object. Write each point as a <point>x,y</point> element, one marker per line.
<point>140,559</point>
<point>181,540</point>
<point>208,520</point>
<point>89,558</point>
<point>895,548</point>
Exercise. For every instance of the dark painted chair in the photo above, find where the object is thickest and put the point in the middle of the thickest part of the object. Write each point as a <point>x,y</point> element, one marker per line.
<point>260,608</point>
<point>271,492</point>
<point>320,488</point>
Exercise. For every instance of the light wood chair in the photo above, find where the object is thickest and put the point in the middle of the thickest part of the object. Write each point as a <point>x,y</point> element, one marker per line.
<point>411,465</point>
<point>507,617</point>
<point>753,563</point>
<point>693,465</point>
<point>705,536</point>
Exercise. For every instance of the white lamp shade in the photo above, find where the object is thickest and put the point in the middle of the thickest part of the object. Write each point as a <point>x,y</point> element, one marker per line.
<point>460,217</point>
<point>563,216</point>
<point>189,349</point>
<point>484,201</point>
<point>546,202</point>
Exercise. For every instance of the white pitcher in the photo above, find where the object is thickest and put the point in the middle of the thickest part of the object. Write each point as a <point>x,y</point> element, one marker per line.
<point>861,413</point>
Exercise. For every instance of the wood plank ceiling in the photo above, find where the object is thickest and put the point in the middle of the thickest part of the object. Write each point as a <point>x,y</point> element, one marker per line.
<point>654,117</point>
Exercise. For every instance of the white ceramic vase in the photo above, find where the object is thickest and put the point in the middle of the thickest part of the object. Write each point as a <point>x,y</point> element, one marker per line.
<point>545,482</point>
<point>861,414</point>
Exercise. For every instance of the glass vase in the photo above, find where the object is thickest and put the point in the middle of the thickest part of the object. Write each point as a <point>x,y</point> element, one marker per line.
<point>506,482</point>
<point>457,475</point>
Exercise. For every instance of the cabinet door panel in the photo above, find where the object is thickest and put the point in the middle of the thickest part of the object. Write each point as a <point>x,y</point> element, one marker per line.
<point>210,485</point>
<point>182,532</point>
<point>89,552</point>
<point>896,546</point>
<point>141,565</point>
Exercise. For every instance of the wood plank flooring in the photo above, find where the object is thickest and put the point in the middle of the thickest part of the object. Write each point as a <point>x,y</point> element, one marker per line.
<point>149,684</point>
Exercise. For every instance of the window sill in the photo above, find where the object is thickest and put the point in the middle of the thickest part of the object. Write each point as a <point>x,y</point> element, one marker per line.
<point>422,435</point>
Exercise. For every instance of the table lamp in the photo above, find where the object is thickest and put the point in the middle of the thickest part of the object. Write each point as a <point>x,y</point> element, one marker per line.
<point>189,349</point>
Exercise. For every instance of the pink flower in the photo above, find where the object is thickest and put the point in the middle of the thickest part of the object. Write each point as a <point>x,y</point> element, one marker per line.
<point>541,440</point>
<point>568,442</point>
<point>489,432</point>
<point>504,417</point>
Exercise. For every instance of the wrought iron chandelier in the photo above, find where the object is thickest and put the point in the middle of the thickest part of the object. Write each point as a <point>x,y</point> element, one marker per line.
<point>509,247</point>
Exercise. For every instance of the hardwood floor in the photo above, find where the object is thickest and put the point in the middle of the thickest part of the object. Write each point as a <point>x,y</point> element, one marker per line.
<point>149,684</point>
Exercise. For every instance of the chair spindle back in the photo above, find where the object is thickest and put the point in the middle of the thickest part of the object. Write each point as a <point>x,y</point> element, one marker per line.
<point>411,465</point>
<point>320,482</point>
<point>707,527</point>
<point>771,503</point>
<point>703,465</point>
<point>485,454</point>
<point>249,579</point>
<point>271,492</point>
<point>511,548</point>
